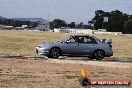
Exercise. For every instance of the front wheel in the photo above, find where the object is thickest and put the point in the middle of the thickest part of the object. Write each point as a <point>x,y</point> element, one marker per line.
<point>99,54</point>
<point>54,53</point>
<point>36,51</point>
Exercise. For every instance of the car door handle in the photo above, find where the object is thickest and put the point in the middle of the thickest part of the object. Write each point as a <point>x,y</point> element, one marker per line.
<point>94,45</point>
<point>78,44</point>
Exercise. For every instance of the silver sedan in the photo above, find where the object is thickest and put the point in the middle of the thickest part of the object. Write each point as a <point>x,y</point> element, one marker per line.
<point>77,45</point>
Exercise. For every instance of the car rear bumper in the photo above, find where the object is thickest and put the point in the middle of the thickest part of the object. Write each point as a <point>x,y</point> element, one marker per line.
<point>109,53</point>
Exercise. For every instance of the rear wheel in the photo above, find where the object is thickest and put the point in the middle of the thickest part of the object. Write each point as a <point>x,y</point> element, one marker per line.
<point>99,54</point>
<point>54,53</point>
<point>49,56</point>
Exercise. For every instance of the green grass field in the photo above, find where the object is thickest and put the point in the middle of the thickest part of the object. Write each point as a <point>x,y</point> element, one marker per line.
<point>24,42</point>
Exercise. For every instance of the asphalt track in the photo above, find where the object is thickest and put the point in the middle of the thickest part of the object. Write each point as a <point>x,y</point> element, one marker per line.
<point>37,57</point>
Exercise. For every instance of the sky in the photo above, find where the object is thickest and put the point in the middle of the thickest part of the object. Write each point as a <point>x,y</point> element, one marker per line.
<point>68,10</point>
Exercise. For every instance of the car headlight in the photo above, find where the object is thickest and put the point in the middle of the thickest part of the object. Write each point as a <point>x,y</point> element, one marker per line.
<point>42,46</point>
<point>39,46</point>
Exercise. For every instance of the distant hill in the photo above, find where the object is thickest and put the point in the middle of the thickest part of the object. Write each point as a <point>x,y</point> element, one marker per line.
<point>26,19</point>
<point>2,17</point>
<point>30,19</point>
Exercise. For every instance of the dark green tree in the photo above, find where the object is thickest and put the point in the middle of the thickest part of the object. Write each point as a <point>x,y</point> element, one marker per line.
<point>57,23</point>
<point>127,26</point>
<point>72,25</point>
<point>98,19</point>
<point>115,22</point>
<point>51,25</point>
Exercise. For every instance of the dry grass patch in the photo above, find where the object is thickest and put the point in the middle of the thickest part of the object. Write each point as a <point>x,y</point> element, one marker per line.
<point>42,74</point>
<point>24,42</point>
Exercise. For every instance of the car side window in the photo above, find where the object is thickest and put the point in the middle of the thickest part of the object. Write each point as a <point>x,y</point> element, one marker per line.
<point>72,40</point>
<point>89,40</point>
<point>76,39</point>
<point>79,39</point>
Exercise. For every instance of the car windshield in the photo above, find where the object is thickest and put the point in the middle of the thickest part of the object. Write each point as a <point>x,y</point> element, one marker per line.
<point>66,38</point>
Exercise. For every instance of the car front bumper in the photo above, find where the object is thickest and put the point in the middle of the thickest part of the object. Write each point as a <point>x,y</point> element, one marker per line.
<point>41,51</point>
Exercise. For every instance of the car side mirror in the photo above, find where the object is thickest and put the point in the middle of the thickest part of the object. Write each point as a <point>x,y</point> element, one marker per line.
<point>108,41</point>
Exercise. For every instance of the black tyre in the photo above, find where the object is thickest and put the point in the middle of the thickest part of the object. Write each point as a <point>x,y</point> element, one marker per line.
<point>49,56</point>
<point>54,53</point>
<point>99,54</point>
<point>36,51</point>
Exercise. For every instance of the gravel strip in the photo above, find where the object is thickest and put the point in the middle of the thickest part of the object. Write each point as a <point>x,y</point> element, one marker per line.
<point>94,63</point>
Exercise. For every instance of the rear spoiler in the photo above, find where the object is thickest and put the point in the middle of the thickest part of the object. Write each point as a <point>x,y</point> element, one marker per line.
<point>108,41</point>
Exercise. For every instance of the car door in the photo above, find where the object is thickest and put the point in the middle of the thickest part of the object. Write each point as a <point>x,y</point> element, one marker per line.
<point>89,45</point>
<point>72,47</point>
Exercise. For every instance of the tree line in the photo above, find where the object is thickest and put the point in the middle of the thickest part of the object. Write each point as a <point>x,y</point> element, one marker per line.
<point>117,22</point>
<point>58,23</point>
